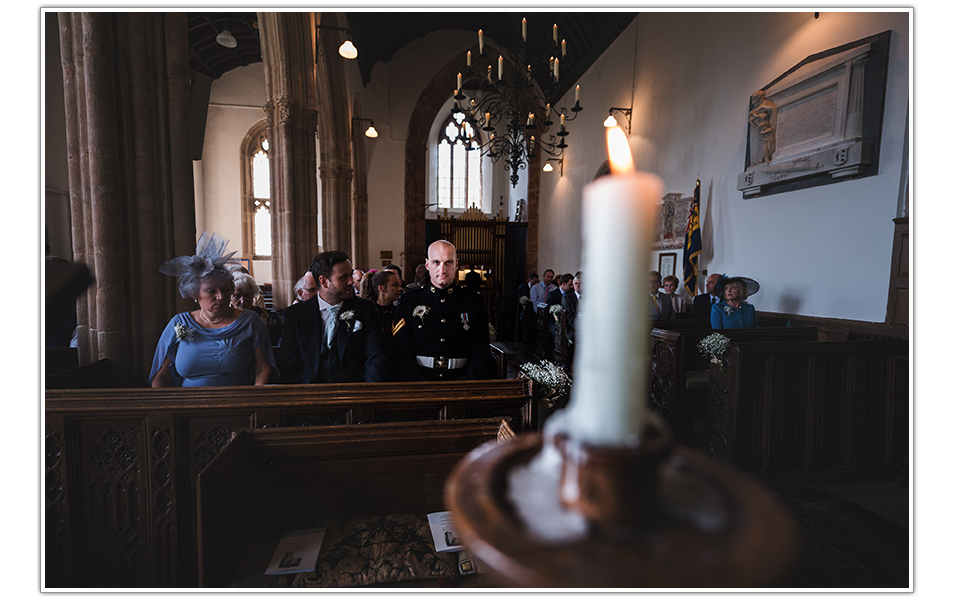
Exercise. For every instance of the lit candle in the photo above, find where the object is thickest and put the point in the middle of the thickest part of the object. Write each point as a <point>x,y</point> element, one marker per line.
<point>551,64</point>
<point>487,118</point>
<point>468,58</point>
<point>524,30</point>
<point>577,94</point>
<point>563,120</point>
<point>555,41</point>
<point>564,47</point>
<point>610,389</point>
<point>530,121</point>
<point>500,67</point>
<point>556,69</point>
<point>480,40</point>
<point>546,112</point>
<point>458,82</point>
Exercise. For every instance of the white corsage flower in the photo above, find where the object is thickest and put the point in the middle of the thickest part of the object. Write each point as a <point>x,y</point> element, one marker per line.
<point>184,333</point>
<point>346,317</point>
<point>421,311</point>
<point>555,310</point>
<point>728,309</point>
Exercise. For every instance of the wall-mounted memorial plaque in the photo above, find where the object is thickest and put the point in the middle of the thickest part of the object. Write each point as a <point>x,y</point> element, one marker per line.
<point>818,123</point>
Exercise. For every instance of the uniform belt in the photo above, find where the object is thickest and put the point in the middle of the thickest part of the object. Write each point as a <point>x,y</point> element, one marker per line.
<point>440,362</point>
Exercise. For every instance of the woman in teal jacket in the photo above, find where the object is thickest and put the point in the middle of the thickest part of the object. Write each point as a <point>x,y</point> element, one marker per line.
<point>732,312</point>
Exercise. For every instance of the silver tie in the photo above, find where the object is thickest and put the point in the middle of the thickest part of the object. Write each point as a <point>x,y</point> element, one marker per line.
<point>332,325</point>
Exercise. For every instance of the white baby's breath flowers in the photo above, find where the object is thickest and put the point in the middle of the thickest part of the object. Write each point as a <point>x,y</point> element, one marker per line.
<point>346,315</point>
<point>714,346</point>
<point>420,311</point>
<point>551,378</point>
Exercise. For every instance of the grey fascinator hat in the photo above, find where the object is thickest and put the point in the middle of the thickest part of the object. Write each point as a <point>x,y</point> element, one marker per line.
<point>209,255</point>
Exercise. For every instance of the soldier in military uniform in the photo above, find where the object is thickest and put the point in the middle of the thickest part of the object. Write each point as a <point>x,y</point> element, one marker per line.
<point>441,330</point>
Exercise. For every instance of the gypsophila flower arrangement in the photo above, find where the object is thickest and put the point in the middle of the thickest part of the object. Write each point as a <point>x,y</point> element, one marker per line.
<point>420,311</point>
<point>346,317</point>
<point>551,379</point>
<point>524,300</point>
<point>555,310</point>
<point>184,333</point>
<point>714,346</point>
<point>729,309</point>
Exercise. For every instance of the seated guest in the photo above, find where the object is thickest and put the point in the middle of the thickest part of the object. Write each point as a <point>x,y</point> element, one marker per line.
<point>660,307</point>
<point>556,296</point>
<point>400,274</point>
<point>421,278</point>
<point>524,289</point>
<point>306,288</point>
<point>540,291</point>
<point>356,276</point>
<point>702,303</point>
<point>216,344</point>
<point>733,312</point>
<point>441,331</point>
<point>571,307</point>
<point>671,285</point>
<point>244,295</point>
<point>385,291</point>
<point>334,337</point>
<point>365,287</point>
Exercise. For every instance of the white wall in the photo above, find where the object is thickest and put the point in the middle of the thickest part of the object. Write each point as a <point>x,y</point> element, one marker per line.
<point>823,251</point>
<point>235,104</point>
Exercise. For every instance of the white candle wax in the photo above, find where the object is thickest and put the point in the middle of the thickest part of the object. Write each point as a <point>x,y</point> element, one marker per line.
<point>524,30</point>
<point>577,94</point>
<point>468,58</point>
<point>556,69</point>
<point>611,387</point>
<point>564,47</point>
<point>555,33</point>
<point>500,67</point>
<point>458,81</point>
<point>480,40</point>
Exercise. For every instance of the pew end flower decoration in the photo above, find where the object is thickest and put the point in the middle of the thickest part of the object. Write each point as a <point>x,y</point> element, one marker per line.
<point>524,300</point>
<point>713,346</point>
<point>556,310</point>
<point>549,379</point>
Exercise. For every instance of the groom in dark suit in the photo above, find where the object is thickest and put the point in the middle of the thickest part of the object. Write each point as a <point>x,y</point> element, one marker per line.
<point>334,337</point>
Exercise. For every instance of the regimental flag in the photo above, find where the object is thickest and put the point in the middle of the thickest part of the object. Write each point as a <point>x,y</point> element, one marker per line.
<point>692,246</point>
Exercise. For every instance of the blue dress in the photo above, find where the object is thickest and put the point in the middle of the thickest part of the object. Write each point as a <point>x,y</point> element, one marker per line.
<point>223,356</point>
<point>723,316</point>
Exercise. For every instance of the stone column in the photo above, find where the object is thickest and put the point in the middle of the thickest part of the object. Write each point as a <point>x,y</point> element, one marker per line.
<point>334,129</point>
<point>126,84</point>
<point>291,109</point>
<point>359,199</point>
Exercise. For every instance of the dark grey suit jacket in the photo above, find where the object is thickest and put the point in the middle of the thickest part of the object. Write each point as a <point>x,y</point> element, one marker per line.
<point>358,342</point>
<point>571,307</point>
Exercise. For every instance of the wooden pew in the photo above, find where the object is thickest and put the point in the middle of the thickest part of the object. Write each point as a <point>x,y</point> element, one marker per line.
<point>121,464</point>
<point>561,345</point>
<point>268,482</point>
<point>812,407</point>
<point>677,367</point>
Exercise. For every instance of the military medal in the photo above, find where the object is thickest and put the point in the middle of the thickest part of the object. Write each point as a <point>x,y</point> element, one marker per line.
<point>465,321</point>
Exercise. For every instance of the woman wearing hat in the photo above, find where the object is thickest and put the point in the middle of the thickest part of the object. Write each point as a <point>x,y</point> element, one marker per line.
<point>216,344</point>
<point>732,312</point>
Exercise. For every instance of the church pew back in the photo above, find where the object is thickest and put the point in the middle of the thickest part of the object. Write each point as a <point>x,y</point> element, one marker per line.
<point>268,482</point>
<point>811,406</point>
<point>674,355</point>
<point>121,463</point>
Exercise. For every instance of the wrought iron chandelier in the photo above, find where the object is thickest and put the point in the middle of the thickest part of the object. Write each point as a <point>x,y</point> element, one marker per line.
<point>512,103</point>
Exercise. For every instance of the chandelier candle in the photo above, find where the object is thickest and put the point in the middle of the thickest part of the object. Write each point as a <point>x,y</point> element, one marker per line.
<point>609,398</point>
<point>480,40</point>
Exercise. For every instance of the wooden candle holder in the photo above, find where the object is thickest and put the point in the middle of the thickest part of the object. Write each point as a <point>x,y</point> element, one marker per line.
<point>658,516</point>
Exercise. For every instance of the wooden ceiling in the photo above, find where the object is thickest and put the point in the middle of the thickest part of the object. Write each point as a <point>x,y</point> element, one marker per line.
<point>379,35</point>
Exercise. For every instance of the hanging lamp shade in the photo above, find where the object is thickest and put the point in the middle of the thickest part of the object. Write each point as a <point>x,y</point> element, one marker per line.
<point>225,39</point>
<point>347,50</point>
<point>371,132</point>
<point>610,121</point>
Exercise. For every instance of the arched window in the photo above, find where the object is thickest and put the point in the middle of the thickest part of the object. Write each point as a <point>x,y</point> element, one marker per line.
<point>256,194</point>
<point>458,169</point>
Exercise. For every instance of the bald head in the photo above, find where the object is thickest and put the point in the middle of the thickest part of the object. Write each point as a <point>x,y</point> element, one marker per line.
<point>442,263</point>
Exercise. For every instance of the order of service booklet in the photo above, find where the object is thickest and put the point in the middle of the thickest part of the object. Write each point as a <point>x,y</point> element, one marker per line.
<point>297,552</point>
<point>442,530</point>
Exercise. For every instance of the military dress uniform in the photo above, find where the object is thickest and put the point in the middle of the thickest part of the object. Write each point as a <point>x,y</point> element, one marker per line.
<point>442,334</point>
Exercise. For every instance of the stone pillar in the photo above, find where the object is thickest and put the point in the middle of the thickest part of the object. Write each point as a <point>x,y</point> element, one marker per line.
<point>292,114</point>
<point>334,129</point>
<point>359,199</point>
<point>126,84</point>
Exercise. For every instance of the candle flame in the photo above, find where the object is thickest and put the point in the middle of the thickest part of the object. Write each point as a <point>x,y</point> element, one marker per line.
<point>620,158</point>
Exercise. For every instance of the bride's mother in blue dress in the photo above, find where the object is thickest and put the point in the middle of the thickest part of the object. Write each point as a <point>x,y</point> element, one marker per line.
<point>215,344</point>
<point>733,312</point>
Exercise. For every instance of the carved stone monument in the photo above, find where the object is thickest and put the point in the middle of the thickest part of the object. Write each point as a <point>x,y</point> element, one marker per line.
<point>818,123</point>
